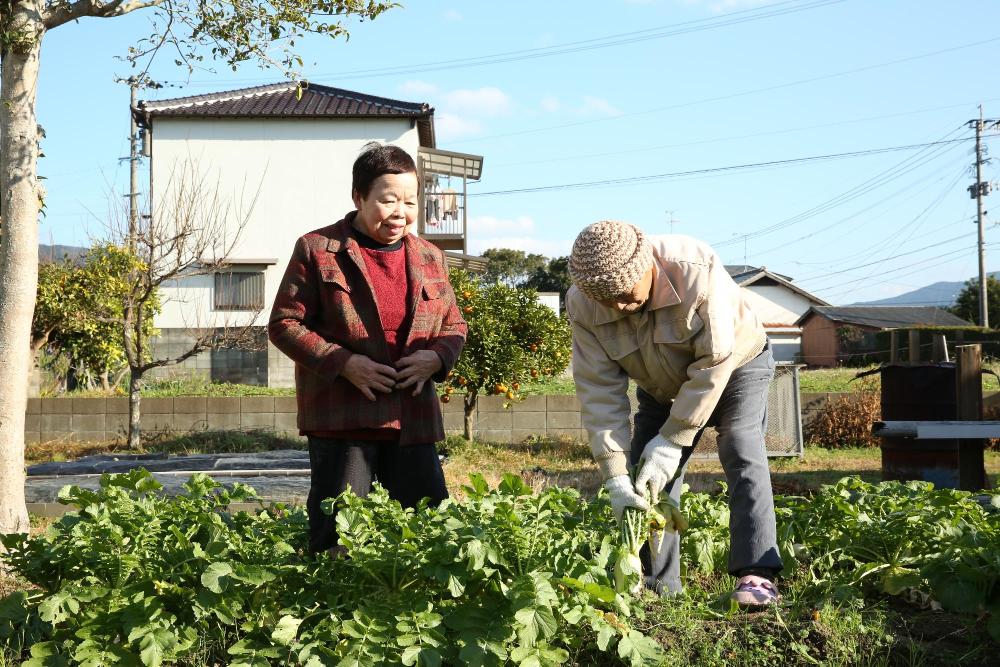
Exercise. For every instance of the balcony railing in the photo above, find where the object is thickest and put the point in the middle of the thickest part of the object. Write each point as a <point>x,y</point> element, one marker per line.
<point>443,213</point>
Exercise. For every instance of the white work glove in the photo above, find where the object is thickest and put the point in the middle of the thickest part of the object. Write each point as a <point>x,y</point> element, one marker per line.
<point>623,495</point>
<point>658,465</point>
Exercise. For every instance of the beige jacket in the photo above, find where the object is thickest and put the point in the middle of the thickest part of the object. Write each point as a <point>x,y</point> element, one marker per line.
<point>681,348</point>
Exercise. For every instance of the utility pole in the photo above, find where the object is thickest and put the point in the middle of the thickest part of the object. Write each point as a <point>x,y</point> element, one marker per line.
<point>977,191</point>
<point>673,221</point>
<point>133,157</point>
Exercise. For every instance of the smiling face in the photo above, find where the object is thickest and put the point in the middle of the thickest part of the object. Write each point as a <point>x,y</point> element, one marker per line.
<point>388,211</point>
<point>635,299</point>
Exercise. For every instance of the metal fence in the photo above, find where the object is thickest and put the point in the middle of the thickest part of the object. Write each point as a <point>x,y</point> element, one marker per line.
<point>784,417</point>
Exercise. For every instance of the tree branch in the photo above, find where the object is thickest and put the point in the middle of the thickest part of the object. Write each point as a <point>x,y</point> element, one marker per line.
<point>64,12</point>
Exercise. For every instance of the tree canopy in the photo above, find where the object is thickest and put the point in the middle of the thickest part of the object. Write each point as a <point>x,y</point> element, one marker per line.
<point>967,303</point>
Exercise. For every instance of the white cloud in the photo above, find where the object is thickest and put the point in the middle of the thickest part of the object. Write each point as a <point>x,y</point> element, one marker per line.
<point>452,15</point>
<point>418,88</point>
<point>485,101</point>
<point>453,126</point>
<point>550,103</point>
<point>598,105</point>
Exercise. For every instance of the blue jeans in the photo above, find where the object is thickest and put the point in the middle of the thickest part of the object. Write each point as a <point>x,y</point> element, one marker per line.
<point>740,419</point>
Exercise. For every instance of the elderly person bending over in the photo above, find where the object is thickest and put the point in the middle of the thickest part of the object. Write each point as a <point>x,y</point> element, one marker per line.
<point>662,311</point>
<point>366,312</point>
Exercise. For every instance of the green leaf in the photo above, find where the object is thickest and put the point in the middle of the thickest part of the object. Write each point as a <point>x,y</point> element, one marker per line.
<point>897,579</point>
<point>536,623</point>
<point>155,645</point>
<point>288,627</point>
<point>214,576</point>
<point>639,650</point>
<point>596,591</point>
<point>58,607</point>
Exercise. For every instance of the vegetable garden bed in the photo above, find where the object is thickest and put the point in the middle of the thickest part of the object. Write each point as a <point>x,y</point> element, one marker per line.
<point>503,576</point>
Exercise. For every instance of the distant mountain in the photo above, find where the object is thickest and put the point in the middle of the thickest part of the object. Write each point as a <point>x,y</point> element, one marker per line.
<point>56,253</point>
<point>941,294</point>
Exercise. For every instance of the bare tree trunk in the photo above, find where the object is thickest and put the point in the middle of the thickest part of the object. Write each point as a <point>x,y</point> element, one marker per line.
<point>18,246</point>
<point>134,384</point>
<point>470,414</point>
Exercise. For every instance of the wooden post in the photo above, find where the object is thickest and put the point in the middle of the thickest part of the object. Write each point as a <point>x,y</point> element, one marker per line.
<point>914,346</point>
<point>940,348</point>
<point>969,407</point>
<point>893,347</point>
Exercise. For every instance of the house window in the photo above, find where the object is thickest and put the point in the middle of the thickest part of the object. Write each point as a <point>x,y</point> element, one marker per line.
<point>239,290</point>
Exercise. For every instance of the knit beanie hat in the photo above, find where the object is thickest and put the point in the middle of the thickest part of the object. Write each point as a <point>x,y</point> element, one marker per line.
<point>609,258</point>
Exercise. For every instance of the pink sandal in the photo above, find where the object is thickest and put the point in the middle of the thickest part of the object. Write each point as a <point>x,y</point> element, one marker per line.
<point>754,591</point>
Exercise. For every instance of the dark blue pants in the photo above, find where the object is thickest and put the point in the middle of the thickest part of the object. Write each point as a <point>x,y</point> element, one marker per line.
<point>740,419</point>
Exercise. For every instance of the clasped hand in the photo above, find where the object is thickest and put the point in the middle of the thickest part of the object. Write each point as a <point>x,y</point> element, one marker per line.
<point>369,376</point>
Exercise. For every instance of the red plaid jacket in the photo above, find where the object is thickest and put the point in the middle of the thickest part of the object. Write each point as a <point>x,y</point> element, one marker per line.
<point>325,311</point>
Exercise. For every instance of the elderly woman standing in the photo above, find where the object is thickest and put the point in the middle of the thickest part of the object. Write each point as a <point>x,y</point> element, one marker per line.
<point>366,312</point>
<point>664,312</point>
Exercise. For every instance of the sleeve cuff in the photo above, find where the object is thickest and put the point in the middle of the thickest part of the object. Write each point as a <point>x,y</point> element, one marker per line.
<point>613,464</point>
<point>678,431</point>
<point>334,362</point>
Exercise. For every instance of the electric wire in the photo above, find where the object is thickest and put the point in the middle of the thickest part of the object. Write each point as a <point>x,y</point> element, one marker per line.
<point>712,170</point>
<point>729,96</point>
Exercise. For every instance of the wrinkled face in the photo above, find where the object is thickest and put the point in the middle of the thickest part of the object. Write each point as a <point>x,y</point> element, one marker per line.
<point>635,299</point>
<point>390,208</point>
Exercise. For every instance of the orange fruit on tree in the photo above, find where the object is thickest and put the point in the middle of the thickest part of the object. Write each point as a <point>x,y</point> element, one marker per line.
<point>510,395</point>
<point>445,398</point>
<point>462,381</point>
<point>467,309</point>
<point>467,294</point>
<point>515,386</point>
<point>448,390</point>
<point>534,372</point>
<point>533,347</point>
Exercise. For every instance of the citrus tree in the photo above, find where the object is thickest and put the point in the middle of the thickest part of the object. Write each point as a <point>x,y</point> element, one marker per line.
<point>78,306</point>
<point>513,340</point>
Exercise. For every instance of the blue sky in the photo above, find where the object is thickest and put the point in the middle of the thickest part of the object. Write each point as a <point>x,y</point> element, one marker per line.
<point>739,82</point>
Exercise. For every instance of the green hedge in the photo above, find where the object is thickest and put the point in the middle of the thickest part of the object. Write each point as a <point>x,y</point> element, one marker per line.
<point>867,348</point>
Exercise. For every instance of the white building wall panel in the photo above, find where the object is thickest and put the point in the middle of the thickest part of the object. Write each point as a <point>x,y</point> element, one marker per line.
<point>284,176</point>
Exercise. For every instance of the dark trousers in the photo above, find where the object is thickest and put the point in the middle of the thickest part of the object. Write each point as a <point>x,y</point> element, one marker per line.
<point>740,419</point>
<point>408,473</point>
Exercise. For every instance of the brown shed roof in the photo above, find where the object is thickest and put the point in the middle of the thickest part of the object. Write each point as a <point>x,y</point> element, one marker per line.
<point>279,100</point>
<point>886,317</point>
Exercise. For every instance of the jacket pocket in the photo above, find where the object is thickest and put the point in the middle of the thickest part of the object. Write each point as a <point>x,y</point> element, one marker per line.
<point>620,347</point>
<point>334,277</point>
<point>432,290</point>
<point>677,330</point>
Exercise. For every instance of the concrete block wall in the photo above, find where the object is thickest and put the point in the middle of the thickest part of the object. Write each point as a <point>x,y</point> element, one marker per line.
<point>104,419</point>
<point>97,419</point>
<point>552,416</point>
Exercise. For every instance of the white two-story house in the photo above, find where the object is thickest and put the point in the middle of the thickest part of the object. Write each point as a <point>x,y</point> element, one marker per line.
<point>280,160</point>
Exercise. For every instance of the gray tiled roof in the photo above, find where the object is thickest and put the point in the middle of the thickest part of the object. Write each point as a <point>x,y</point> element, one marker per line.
<point>888,317</point>
<point>280,101</point>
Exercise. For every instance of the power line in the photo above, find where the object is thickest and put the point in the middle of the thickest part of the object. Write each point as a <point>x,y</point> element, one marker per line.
<point>882,178</point>
<point>898,268</point>
<point>606,41</point>
<point>702,142</point>
<point>866,209</point>
<point>744,93</point>
<point>711,170</point>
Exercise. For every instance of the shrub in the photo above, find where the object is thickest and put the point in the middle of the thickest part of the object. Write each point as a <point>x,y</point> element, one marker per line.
<point>846,421</point>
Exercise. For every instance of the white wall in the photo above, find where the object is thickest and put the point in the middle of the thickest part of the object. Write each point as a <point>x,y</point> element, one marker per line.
<point>550,299</point>
<point>775,304</point>
<point>299,171</point>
